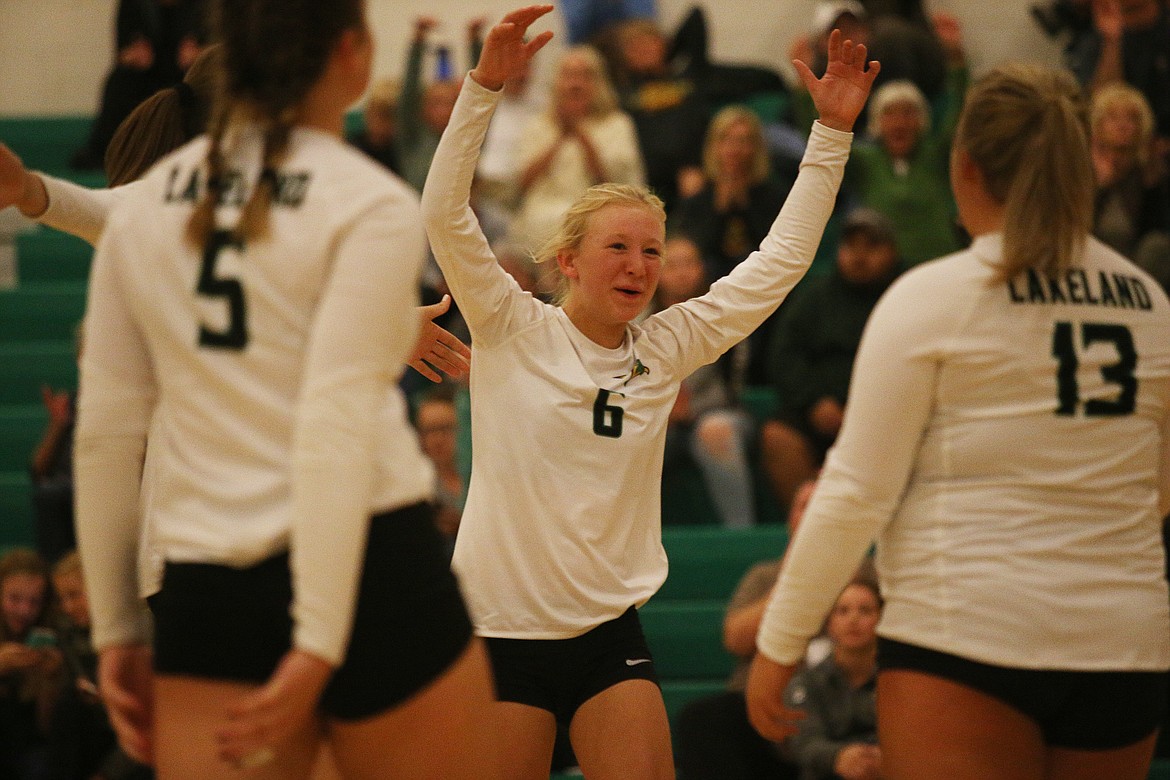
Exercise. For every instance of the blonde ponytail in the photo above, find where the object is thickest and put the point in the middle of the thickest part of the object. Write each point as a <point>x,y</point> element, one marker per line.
<point>1025,128</point>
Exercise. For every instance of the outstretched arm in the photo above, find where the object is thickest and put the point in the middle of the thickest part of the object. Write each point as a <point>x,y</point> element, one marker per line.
<point>841,93</point>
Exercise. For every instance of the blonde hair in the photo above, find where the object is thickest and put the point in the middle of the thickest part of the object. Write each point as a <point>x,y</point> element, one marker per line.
<point>605,99</point>
<point>1024,127</point>
<point>891,93</point>
<point>576,220</point>
<point>720,124</point>
<point>1120,96</point>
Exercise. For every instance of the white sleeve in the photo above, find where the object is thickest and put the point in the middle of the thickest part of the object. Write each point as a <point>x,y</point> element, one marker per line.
<point>365,327</point>
<point>707,326</point>
<point>891,395</point>
<point>78,210</point>
<point>115,404</point>
<point>489,299</point>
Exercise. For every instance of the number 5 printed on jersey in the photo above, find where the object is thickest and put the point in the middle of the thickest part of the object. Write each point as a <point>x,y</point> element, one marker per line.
<point>1120,373</point>
<point>229,290</point>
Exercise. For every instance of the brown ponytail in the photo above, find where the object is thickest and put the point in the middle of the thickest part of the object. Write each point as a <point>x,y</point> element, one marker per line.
<point>274,51</point>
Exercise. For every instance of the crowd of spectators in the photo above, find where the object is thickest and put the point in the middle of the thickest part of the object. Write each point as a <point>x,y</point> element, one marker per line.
<point>628,101</point>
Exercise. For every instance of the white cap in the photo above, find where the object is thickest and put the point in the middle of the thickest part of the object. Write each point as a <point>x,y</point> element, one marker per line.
<point>828,12</point>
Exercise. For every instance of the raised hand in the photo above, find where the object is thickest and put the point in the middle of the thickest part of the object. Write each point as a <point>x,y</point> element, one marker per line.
<point>841,93</point>
<point>505,52</point>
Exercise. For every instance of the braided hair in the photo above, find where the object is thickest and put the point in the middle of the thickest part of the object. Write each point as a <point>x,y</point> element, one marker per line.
<point>274,51</point>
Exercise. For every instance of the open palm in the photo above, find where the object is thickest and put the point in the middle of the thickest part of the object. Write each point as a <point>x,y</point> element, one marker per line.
<point>505,51</point>
<point>841,93</point>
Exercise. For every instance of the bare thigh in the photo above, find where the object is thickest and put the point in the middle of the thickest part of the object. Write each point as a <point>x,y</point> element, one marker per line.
<point>624,732</point>
<point>187,713</point>
<point>445,731</point>
<point>527,738</point>
<point>1131,762</point>
<point>930,728</point>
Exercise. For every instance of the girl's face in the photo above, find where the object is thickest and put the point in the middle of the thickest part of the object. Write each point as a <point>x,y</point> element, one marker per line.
<point>900,126</point>
<point>22,596</point>
<point>614,271</point>
<point>736,148</point>
<point>853,621</point>
<point>71,593</point>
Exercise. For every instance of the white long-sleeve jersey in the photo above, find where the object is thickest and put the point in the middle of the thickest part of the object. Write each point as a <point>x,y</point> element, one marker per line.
<point>1008,444</point>
<point>270,369</point>
<point>561,530</point>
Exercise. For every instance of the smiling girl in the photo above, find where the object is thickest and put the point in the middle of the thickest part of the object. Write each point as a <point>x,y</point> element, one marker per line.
<point>560,541</point>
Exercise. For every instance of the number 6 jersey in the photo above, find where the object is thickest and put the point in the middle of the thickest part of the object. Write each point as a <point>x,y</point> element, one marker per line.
<point>1007,443</point>
<point>561,530</point>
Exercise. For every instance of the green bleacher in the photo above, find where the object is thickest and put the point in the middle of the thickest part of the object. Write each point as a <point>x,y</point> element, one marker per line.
<point>38,318</point>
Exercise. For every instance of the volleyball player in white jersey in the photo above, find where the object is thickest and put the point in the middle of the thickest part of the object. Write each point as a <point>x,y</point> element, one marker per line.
<point>1007,441</point>
<point>243,297</point>
<point>560,539</point>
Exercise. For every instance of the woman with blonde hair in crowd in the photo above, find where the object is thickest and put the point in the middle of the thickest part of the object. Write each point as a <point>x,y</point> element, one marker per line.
<point>1132,207</point>
<point>732,212</point>
<point>582,139</point>
<point>560,540</point>
<point>1007,441</point>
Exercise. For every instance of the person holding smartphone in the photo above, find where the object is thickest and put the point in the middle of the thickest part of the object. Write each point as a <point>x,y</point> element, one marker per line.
<point>30,665</point>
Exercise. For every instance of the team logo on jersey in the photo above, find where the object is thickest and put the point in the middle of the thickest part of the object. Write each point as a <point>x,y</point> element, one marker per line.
<point>638,370</point>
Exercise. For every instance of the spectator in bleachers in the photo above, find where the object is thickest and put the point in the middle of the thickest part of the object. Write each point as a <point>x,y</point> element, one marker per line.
<point>811,356</point>
<point>705,424</point>
<point>81,741</point>
<point>155,43</point>
<point>1131,43</point>
<point>51,476</point>
<point>668,107</point>
<point>424,108</point>
<point>30,666</point>
<point>51,472</point>
<point>733,210</point>
<point>916,53</point>
<point>903,169</point>
<point>437,423</point>
<point>837,738</point>
<point>584,138</point>
<point>739,198</point>
<point>1132,209</point>
<point>378,136</point>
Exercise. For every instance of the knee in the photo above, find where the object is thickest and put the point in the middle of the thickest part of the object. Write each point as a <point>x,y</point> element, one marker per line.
<point>715,435</point>
<point>777,438</point>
